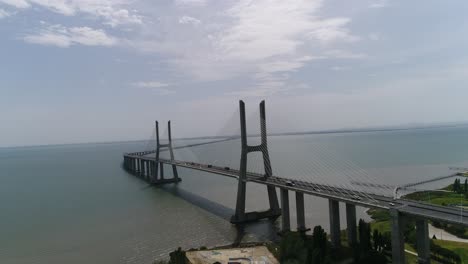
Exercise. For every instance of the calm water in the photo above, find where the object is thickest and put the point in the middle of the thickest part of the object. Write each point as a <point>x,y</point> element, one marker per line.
<point>74,203</point>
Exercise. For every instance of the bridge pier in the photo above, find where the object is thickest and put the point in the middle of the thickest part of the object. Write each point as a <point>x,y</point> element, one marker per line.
<point>147,170</point>
<point>142,168</point>
<point>334,210</point>
<point>423,241</point>
<point>161,170</point>
<point>150,170</point>
<point>300,212</point>
<point>285,217</point>
<point>398,242</point>
<point>351,224</point>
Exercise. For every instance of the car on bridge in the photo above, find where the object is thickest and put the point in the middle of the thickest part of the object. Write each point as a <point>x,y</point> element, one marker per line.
<point>227,168</point>
<point>290,183</point>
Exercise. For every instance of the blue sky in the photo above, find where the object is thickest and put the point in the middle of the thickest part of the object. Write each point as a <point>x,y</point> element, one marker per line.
<point>103,70</point>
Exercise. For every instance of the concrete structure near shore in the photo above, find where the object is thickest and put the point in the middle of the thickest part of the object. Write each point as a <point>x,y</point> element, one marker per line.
<point>248,255</point>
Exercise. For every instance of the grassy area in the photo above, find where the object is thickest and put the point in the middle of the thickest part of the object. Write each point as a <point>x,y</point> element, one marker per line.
<point>458,247</point>
<point>410,258</point>
<point>381,220</point>
<point>439,197</point>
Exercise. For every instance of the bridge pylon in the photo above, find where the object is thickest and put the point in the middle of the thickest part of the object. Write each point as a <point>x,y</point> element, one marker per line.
<point>274,211</point>
<point>158,175</point>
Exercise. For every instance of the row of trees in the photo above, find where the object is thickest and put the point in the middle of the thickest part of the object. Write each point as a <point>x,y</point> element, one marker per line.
<point>370,249</point>
<point>296,248</point>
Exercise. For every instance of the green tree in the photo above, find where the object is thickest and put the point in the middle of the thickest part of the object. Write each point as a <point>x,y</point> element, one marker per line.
<point>456,185</point>
<point>177,257</point>
<point>293,249</point>
<point>376,239</point>
<point>318,249</point>
<point>364,237</point>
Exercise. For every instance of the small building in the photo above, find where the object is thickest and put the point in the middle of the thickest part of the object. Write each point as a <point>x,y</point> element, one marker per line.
<point>249,255</point>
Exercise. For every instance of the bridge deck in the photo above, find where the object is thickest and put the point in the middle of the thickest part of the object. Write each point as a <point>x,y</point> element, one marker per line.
<point>369,200</point>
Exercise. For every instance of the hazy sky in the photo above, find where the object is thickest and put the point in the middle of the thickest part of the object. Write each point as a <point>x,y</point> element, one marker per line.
<point>104,70</point>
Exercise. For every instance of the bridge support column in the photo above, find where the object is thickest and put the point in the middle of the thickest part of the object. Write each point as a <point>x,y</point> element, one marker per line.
<point>161,170</point>
<point>334,210</point>
<point>154,169</point>
<point>150,170</point>
<point>137,161</point>
<point>398,242</point>
<point>147,175</point>
<point>142,168</point>
<point>423,242</point>
<point>240,215</point>
<point>300,213</point>
<point>285,217</point>
<point>351,224</point>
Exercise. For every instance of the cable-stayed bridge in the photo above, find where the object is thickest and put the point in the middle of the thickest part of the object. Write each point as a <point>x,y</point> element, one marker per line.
<point>149,165</point>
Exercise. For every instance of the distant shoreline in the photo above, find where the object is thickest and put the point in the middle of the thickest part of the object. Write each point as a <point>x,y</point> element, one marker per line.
<point>318,132</point>
<point>338,131</point>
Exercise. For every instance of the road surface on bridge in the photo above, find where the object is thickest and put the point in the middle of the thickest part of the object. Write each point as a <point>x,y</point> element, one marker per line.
<point>368,200</point>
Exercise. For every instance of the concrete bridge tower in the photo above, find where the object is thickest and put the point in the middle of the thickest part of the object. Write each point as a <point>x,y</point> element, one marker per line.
<point>274,211</point>
<point>159,179</point>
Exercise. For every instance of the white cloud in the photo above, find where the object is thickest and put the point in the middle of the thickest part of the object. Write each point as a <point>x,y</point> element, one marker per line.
<point>155,86</point>
<point>190,2</point>
<point>265,28</point>
<point>285,65</point>
<point>112,12</point>
<point>330,30</point>
<point>374,36</point>
<point>189,20</point>
<point>151,84</point>
<point>343,54</point>
<point>60,36</point>
<point>4,14</point>
<point>261,40</point>
<point>379,4</point>
<point>338,68</point>
<point>269,38</point>
<point>16,3</point>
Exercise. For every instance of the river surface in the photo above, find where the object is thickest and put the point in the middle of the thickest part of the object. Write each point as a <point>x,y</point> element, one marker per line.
<point>74,203</point>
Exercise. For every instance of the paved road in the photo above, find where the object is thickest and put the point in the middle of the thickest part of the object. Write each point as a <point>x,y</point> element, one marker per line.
<point>443,235</point>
